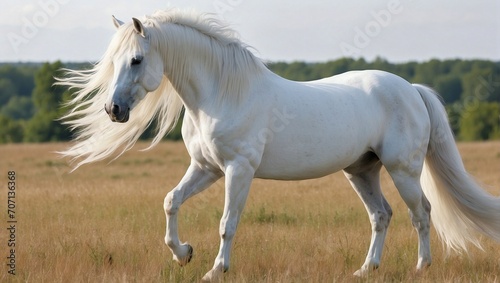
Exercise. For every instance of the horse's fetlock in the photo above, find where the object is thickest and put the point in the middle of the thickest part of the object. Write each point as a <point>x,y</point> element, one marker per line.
<point>170,243</point>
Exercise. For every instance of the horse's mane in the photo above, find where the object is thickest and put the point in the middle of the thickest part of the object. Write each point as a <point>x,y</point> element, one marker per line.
<point>206,24</point>
<point>96,136</point>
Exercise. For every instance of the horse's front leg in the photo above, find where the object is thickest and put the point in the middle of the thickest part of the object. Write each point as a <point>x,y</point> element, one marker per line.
<point>194,181</point>
<point>239,176</point>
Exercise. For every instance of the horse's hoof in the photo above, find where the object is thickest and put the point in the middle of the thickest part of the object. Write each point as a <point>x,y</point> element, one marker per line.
<point>190,254</point>
<point>364,271</point>
<point>423,264</point>
<point>214,275</point>
<point>360,273</point>
<point>187,258</point>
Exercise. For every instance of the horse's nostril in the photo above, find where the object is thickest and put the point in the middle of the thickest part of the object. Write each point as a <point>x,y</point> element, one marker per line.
<point>115,109</point>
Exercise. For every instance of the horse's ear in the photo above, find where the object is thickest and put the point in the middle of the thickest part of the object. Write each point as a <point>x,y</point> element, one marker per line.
<point>117,22</point>
<point>139,28</point>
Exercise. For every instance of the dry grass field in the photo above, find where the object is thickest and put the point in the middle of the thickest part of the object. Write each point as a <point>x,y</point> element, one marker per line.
<point>105,223</point>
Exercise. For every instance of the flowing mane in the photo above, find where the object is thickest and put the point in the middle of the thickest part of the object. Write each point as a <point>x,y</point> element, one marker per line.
<point>97,137</point>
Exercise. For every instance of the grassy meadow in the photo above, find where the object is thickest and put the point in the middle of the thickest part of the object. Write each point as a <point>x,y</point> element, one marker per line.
<point>105,223</point>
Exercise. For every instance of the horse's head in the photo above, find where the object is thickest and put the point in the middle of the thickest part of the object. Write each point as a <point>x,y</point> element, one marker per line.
<point>138,69</point>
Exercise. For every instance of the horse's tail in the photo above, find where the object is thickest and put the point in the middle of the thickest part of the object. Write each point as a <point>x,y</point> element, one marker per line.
<point>460,207</point>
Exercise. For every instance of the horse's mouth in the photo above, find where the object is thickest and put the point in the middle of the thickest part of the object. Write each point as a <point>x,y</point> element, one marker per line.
<point>118,115</point>
<point>122,119</point>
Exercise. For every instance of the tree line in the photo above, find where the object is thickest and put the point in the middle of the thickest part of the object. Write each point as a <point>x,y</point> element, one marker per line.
<point>30,104</point>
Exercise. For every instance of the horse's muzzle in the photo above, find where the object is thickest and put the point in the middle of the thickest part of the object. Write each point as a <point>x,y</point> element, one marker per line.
<point>117,113</point>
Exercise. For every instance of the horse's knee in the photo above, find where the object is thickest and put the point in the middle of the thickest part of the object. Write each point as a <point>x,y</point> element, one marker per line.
<point>227,229</point>
<point>227,233</point>
<point>171,203</point>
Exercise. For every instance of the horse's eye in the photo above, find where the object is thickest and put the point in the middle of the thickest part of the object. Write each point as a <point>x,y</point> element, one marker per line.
<point>136,60</point>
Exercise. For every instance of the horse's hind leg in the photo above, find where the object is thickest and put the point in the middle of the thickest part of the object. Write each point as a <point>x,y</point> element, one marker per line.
<point>419,208</point>
<point>365,179</point>
<point>405,167</point>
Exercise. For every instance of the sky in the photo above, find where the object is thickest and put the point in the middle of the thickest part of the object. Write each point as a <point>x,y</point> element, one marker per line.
<point>312,31</point>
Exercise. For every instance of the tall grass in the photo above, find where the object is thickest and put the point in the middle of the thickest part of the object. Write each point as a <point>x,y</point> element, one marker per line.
<point>105,223</point>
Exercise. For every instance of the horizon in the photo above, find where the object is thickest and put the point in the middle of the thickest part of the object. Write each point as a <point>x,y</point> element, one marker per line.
<point>274,62</point>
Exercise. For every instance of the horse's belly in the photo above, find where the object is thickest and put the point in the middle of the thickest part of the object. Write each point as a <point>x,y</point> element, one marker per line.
<point>318,141</point>
<point>298,161</point>
<point>297,171</point>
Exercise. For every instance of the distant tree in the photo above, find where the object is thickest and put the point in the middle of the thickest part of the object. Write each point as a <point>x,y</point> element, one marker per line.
<point>47,97</point>
<point>382,64</point>
<point>47,100</point>
<point>427,72</point>
<point>299,71</point>
<point>480,122</point>
<point>454,112</point>
<point>18,108</point>
<point>176,134</point>
<point>481,85</point>
<point>20,76</point>
<point>44,127</point>
<point>450,87</point>
<point>7,90</point>
<point>278,67</point>
<point>16,85</point>
<point>358,64</point>
<point>336,67</point>
<point>406,70</point>
<point>461,67</point>
<point>11,131</point>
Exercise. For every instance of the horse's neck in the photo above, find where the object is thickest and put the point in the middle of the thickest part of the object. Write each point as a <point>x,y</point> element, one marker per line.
<point>194,68</point>
<point>185,63</point>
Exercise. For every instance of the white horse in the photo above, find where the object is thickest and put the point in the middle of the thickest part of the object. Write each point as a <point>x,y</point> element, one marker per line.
<point>242,121</point>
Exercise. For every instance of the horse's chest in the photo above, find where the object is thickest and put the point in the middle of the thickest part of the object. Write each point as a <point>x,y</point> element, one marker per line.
<point>208,149</point>
<point>215,141</point>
